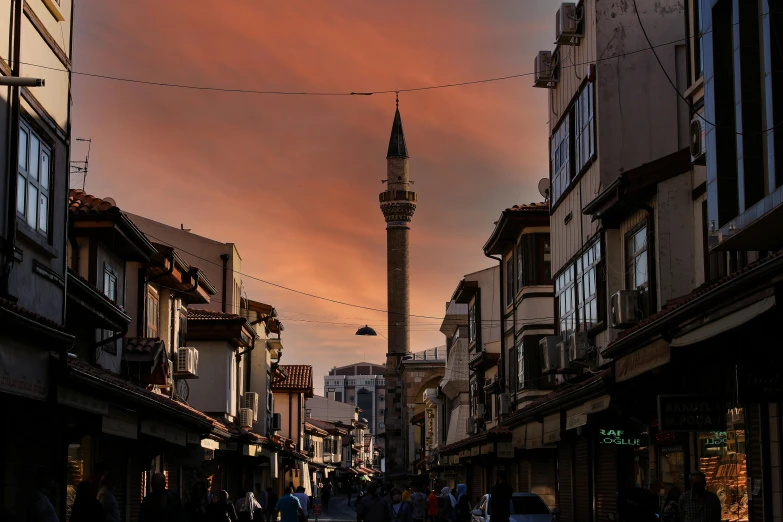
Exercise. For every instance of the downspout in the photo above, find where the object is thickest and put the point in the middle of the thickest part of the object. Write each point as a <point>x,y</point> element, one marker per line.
<point>9,246</point>
<point>502,368</point>
<point>224,258</point>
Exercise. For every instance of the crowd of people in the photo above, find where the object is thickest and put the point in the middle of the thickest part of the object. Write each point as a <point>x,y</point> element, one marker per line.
<point>415,503</point>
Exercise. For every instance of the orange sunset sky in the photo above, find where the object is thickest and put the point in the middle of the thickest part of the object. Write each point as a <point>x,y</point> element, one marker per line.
<point>294,180</point>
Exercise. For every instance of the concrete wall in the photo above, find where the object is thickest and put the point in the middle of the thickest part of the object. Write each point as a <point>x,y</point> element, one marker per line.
<point>214,390</point>
<point>325,409</point>
<point>291,408</point>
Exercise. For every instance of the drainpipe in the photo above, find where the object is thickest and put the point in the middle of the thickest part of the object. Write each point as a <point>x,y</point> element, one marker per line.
<point>224,258</point>
<point>9,246</point>
<point>502,366</point>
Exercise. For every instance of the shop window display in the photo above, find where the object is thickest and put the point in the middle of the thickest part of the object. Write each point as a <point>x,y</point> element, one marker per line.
<point>672,467</point>
<point>75,475</point>
<point>723,458</point>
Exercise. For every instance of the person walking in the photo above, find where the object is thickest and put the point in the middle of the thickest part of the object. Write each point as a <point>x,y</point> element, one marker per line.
<point>41,508</point>
<point>698,504</point>
<point>373,507</point>
<point>500,500</point>
<point>447,511</point>
<point>418,501</point>
<point>249,508</point>
<point>399,511</point>
<point>86,507</point>
<point>326,495</point>
<point>406,495</point>
<point>111,509</point>
<point>222,510</point>
<point>432,507</point>
<point>271,502</point>
<point>161,504</point>
<point>197,504</point>
<point>262,500</point>
<point>463,503</point>
<point>304,500</point>
<point>350,491</point>
<point>288,506</point>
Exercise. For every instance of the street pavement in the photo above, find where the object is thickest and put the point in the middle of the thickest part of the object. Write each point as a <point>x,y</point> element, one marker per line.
<point>338,510</point>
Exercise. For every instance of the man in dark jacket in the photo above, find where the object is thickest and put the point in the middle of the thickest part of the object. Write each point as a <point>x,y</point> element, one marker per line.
<point>161,504</point>
<point>500,501</point>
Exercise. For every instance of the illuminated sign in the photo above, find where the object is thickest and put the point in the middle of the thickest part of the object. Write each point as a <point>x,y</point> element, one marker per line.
<point>716,438</point>
<point>617,438</point>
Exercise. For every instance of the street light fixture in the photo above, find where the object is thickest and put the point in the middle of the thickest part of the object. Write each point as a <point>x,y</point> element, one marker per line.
<point>16,81</point>
<point>365,330</point>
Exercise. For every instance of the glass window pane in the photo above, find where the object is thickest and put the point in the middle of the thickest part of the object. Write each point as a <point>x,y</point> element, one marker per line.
<point>32,205</point>
<point>45,169</point>
<point>21,188</point>
<point>641,270</point>
<point>34,153</point>
<point>640,239</point>
<point>23,149</point>
<point>43,215</point>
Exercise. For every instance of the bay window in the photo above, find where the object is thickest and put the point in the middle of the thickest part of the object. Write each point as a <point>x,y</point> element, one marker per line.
<point>565,299</point>
<point>534,255</point>
<point>636,266</point>
<point>560,164</point>
<point>572,144</point>
<point>578,292</point>
<point>33,180</point>
<point>584,129</point>
<point>110,282</point>
<point>587,286</point>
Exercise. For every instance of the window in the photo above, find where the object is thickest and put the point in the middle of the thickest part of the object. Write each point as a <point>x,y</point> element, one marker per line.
<point>566,307</point>
<point>587,286</point>
<point>338,396</point>
<point>472,323</point>
<point>584,127</point>
<point>636,273</point>
<point>520,364</point>
<point>561,166</point>
<point>110,282</point>
<point>520,264</point>
<point>153,313</point>
<point>382,425</point>
<point>534,256</point>
<point>381,411</point>
<point>33,177</point>
<point>510,280</point>
<point>381,398</point>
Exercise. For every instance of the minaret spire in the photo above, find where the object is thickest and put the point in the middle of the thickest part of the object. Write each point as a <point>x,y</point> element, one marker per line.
<point>397,147</point>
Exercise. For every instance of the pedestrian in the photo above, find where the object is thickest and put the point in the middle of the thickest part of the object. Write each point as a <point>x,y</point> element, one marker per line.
<point>500,499</point>
<point>262,500</point>
<point>399,511</point>
<point>432,506</point>
<point>222,510</point>
<point>304,500</point>
<point>418,503</point>
<point>698,504</point>
<point>373,507</point>
<point>111,509</point>
<point>249,508</point>
<point>326,495</point>
<point>350,491</point>
<point>463,503</point>
<point>271,502</point>
<point>161,504</point>
<point>197,504</point>
<point>288,506</point>
<point>85,507</point>
<point>669,511</point>
<point>447,511</point>
<point>406,495</point>
<point>41,508</point>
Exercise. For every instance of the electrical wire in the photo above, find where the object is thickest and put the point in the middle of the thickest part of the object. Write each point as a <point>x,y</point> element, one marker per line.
<point>688,103</point>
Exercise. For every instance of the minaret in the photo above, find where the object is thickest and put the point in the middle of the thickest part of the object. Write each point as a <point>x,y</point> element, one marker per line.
<point>398,203</point>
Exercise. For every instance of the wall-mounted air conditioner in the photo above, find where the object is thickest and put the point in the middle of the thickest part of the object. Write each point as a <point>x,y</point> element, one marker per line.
<point>578,345</point>
<point>550,353</point>
<point>567,25</point>
<point>565,354</point>
<point>277,422</point>
<point>698,141</point>
<point>625,308</point>
<point>544,67</point>
<point>505,403</point>
<point>246,417</point>
<point>470,425</point>
<point>187,363</point>
<point>250,401</point>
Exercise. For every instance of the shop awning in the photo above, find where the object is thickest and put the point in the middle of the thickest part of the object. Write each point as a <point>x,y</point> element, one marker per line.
<point>725,323</point>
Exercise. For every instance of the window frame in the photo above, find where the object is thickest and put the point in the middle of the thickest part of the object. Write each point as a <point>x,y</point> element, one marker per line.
<point>472,323</point>
<point>630,258</point>
<point>572,265</point>
<point>521,379</point>
<point>152,307</point>
<point>110,275</point>
<point>25,180</point>
<point>594,267</point>
<point>561,137</point>
<point>581,126</point>
<point>509,265</point>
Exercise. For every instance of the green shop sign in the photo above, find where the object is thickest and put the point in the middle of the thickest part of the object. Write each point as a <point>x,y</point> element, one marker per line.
<point>617,438</point>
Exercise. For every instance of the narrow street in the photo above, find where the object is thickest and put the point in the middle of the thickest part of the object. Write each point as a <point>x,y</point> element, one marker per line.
<point>339,511</point>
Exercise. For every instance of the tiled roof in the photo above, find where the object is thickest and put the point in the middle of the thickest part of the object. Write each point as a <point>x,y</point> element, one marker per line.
<point>529,207</point>
<point>150,345</point>
<point>5,304</point>
<point>326,425</point>
<point>678,302</point>
<point>300,377</point>
<point>79,202</point>
<point>315,429</point>
<point>210,315</point>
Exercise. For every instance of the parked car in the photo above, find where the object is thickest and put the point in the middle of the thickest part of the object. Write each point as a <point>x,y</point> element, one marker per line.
<point>525,507</point>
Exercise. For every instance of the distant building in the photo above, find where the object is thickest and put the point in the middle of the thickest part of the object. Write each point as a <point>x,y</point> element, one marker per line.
<point>363,385</point>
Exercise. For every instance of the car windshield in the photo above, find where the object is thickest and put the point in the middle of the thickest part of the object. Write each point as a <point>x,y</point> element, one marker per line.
<point>528,505</point>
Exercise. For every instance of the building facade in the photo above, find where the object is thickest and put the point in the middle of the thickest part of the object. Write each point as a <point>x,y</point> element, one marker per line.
<point>364,385</point>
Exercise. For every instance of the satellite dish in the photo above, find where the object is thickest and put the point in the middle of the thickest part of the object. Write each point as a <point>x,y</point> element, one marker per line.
<point>543,188</point>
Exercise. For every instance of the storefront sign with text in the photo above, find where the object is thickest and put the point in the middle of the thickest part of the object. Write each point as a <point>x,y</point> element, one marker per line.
<point>691,413</point>
<point>617,438</point>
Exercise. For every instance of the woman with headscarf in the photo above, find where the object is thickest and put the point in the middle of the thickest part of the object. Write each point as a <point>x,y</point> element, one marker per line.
<point>463,503</point>
<point>85,508</point>
<point>249,509</point>
<point>399,511</point>
<point>447,512</point>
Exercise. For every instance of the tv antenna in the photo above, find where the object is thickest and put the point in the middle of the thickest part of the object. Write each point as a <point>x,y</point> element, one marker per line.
<point>82,167</point>
<point>543,188</point>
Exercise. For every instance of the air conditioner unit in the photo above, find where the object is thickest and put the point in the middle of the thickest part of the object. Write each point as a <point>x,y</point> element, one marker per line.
<point>578,345</point>
<point>470,425</point>
<point>550,353</point>
<point>277,422</point>
<point>250,401</point>
<point>505,403</point>
<point>625,308</point>
<point>567,25</point>
<point>544,69</point>
<point>698,141</point>
<point>246,417</point>
<point>565,354</point>
<point>481,411</point>
<point>187,362</point>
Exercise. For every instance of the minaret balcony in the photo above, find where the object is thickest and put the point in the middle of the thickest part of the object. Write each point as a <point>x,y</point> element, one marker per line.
<point>397,195</point>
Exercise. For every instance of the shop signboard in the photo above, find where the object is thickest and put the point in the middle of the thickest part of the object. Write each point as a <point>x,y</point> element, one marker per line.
<point>120,423</point>
<point>475,451</point>
<point>759,384</point>
<point>599,404</point>
<point>210,444</point>
<point>618,437</point>
<point>505,450</point>
<point>580,419</point>
<point>534,439</point>
<point>81,401</point>
<point>642,360</point>
<point>551,428</point>
<point>24,370</point>
<point>518,436</point>
<point>487,449</point>
<point>691,413</point>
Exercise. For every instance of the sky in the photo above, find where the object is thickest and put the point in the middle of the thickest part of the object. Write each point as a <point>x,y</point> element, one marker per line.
<point>294,180</point>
